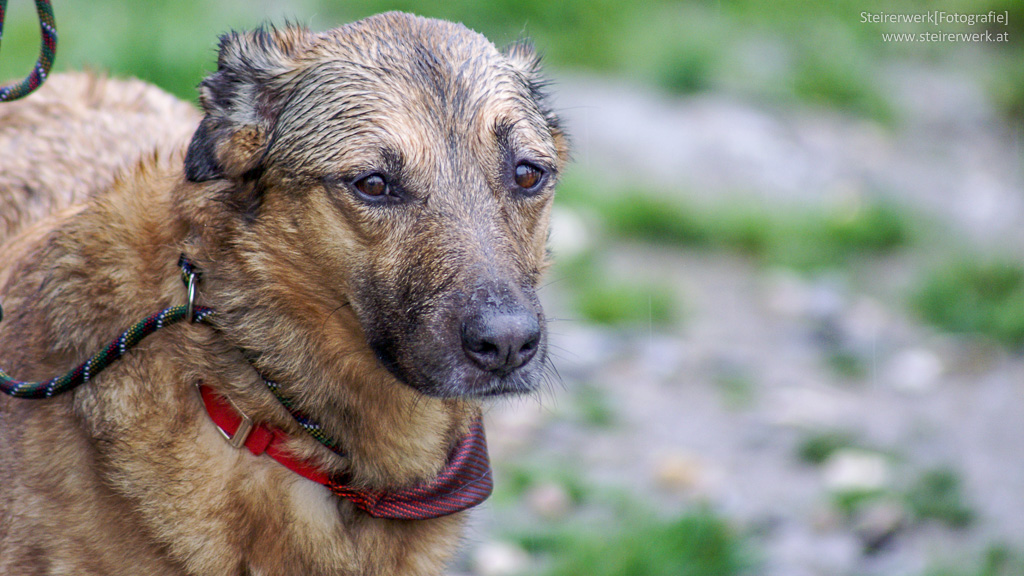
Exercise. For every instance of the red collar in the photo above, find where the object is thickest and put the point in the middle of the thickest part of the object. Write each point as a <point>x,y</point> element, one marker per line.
<point>464,482</point>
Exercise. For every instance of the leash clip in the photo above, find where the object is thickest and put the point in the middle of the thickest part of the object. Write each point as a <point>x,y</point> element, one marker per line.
<point>190,276</point>
<point>190,312</point>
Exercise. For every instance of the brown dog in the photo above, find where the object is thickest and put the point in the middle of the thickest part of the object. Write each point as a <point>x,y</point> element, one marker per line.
<point>368,208</point>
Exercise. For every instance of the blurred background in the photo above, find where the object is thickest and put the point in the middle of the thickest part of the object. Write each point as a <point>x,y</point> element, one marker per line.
<point>788,304</point>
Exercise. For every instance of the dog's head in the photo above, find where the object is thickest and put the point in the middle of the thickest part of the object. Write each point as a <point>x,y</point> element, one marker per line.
<point>398,168</point>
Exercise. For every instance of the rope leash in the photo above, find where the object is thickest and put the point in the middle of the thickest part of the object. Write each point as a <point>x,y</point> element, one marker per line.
<point>311,427</point>
<point>47,53</point>
<point>115,350</point>
<point>130,338</point>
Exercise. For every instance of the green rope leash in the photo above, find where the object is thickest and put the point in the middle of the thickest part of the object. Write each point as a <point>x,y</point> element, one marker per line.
<point>132,336</point>
<point>93,366</point>
<point>312,427</point>
<point>114,351</point>
<point>47,52</point>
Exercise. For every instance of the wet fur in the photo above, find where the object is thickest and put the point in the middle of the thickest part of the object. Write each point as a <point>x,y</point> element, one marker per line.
<point>127,475</point>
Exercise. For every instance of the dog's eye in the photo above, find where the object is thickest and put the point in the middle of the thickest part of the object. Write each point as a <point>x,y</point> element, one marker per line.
<point>527,176</point>
<point>375,188</point>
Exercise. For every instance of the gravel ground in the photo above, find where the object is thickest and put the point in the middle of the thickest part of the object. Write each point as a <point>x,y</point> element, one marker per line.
<point>715,411</point>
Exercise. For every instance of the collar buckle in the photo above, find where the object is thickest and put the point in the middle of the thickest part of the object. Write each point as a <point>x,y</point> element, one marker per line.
<point>215,403</point>
<point>245,426</point>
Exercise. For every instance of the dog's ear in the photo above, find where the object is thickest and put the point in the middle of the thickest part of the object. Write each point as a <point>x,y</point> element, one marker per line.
<point>523,56</point>
<point>524,59</point>
<point>241,101</point>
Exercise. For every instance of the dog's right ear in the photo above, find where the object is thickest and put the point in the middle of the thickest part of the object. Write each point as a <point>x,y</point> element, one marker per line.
<point>242,101</point>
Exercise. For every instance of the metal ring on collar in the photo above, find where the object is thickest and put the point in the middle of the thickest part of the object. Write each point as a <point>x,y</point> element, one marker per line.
<point>190,313</point>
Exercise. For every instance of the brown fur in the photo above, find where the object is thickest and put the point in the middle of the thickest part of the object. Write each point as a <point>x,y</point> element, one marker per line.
<point>352,306</point>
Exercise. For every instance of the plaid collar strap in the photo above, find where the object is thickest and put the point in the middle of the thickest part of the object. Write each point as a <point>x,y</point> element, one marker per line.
<point>464,482</point>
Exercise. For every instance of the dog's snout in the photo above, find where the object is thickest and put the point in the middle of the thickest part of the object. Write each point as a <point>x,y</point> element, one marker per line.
<point>500,342</point>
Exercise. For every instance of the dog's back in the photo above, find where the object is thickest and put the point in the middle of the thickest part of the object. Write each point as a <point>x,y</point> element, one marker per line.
<point>73,136</point>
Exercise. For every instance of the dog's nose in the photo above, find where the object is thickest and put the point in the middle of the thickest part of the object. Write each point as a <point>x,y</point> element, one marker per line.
<point>500,342</point>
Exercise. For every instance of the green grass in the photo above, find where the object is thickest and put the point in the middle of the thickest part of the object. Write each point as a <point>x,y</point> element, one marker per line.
<point>937,495</point>
<point>737,388</point>
<point>686,71</point>
<point>847,364</point>
<point>618,303</point>
<point>795,237</point>
<point>839,77</point>
<point>516,481</point>
<point>850,502</point>
<point>601,299</point>
<point>817,447</point>
<point>698,543</point>
<point>998,560</point>
<point>593,406</point>
<point>611,533</point>
<point>1007,88</point>
<point>646,216</point>
<point>802,238</point>
<point>975,296</point>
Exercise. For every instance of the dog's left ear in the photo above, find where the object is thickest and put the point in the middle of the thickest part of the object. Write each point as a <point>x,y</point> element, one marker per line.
<point>242,100</point>
<point>524,59</point>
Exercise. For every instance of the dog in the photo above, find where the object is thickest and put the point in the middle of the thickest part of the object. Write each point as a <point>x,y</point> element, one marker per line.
<point>361,217</point>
